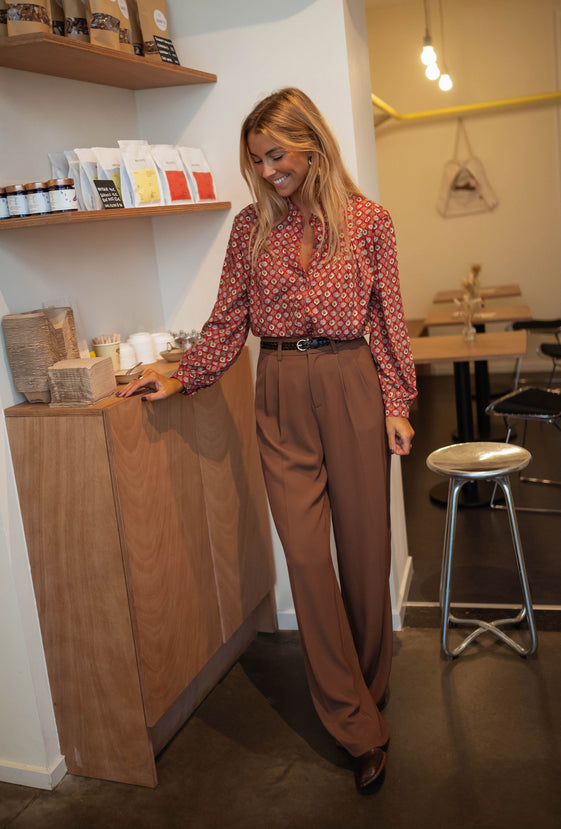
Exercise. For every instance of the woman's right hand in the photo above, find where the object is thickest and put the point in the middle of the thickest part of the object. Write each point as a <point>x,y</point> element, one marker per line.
<point>163,386</point>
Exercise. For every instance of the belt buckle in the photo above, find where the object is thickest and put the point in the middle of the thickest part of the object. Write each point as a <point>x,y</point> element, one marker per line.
<point>305,343</point>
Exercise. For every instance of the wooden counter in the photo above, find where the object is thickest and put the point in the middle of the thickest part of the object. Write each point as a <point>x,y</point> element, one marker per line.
<point>148,536</point>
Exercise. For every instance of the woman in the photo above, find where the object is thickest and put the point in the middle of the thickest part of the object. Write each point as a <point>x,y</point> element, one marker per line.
<point>311,268</point>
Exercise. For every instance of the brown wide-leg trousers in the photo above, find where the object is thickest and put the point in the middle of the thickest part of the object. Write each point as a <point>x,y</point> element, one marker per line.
<point>321,433</point>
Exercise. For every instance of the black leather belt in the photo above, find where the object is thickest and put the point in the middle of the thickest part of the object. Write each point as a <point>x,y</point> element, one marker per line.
<point>298,345</point>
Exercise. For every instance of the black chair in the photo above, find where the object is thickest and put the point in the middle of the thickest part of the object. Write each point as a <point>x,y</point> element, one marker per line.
<point>532,403</point>
<point>548,350</point>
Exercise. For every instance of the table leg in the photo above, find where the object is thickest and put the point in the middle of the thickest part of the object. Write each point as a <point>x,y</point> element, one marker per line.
<point>464,414</point>
<point>482,392</point>
<point>473,494</point>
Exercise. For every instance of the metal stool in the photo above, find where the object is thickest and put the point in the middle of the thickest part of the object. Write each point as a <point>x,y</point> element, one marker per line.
<point>463,462</point>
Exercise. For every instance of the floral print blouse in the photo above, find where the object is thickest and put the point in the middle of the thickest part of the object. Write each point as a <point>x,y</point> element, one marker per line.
<point>355,294</point>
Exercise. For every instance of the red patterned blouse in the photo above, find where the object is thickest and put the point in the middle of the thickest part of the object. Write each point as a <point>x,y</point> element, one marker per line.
<point>356,293</point>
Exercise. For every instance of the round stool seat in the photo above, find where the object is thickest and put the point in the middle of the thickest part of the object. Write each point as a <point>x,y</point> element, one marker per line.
<point>478,460</point>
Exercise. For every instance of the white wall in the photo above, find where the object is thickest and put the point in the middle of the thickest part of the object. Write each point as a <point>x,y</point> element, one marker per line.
<point>495,50</point>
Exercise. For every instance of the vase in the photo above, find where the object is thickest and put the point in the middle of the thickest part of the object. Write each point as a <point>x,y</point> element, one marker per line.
<point>468,332</point>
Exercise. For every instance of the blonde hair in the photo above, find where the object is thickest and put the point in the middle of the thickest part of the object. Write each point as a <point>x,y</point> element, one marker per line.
<point>290,118</point>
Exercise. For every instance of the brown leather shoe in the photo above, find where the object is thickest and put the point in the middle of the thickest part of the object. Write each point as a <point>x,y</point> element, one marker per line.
<point>369,766</point>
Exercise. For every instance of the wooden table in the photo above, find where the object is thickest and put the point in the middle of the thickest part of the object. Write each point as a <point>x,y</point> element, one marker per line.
<point>490,292</point>
<point>494,346</point>
<point>501,313</point>
<point>453,349</point>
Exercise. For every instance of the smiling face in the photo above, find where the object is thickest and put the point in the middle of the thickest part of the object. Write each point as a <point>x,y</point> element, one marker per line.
<point>285,170</point>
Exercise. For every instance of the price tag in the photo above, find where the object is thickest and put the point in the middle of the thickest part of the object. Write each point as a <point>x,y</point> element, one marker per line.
<point>166,50</point>
<point>108,193</point>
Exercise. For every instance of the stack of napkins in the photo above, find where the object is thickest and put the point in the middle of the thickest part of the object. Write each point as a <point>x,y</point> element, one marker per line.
<point>81,382</point>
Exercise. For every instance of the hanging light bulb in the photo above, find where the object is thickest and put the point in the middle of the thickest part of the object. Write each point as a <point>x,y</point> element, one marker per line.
<point>428,55</point>
<point>445,82</point>
<point>432,72</point>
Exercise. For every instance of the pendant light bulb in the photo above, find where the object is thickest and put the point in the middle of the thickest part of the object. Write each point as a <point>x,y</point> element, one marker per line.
<point>428,55</point>
<point>432,72</point>
<point>445,82</point>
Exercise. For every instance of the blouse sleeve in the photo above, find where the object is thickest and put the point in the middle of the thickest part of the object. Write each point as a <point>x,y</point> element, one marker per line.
<point>389,340</point>
<point>225,332</point>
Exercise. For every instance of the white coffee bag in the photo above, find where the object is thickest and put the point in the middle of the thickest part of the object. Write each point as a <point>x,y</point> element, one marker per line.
<point>199,173</point>
<point>174,184</point>
<point>73,173</point>
<point>88,174</point>
<point>139,178</point>
<point>109,164</point>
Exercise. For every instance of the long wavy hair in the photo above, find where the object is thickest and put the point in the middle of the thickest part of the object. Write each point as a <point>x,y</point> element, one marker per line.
<point>292,120</point>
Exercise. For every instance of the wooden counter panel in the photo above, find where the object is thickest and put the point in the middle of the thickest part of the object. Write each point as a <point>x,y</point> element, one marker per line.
<point>165,545</point>
<point>235,498</point>
<point>149,542</point>
<point>64,488</point>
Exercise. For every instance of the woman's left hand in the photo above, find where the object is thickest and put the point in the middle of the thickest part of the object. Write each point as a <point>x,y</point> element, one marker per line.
<point>400,435</point>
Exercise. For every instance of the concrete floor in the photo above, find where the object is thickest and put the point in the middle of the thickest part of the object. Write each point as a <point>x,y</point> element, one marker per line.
<point>475,745</point>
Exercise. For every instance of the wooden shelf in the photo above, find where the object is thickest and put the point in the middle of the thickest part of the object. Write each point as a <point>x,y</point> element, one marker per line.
<point>63,57</point>
<point>80,216</point>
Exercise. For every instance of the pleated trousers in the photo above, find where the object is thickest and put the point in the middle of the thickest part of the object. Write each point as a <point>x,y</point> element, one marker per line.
<point>322,438</point>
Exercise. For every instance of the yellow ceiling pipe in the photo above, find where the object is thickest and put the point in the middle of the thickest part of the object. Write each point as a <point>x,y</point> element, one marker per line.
<point>547,97</point>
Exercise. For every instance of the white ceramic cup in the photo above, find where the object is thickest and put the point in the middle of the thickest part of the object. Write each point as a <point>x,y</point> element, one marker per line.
<point>128,356</point>
<point>144,346</point>
<point>161,340</point>
<point>112,350</point>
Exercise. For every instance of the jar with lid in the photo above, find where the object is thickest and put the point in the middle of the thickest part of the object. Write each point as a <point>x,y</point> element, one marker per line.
<point>62,195</point>
<point>17,201</point>
<point>4,212</point>
<point>38,200</point>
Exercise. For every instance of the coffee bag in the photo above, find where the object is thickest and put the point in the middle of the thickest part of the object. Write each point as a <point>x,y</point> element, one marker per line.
<point>125,33</point>
<point>26,18</point>
<point>103,22</point>
<point>75,22</point>
<point>57,17</point>
<point>87,176</point>
<point>135,28</point>
<point>199,172</point>
<point>3,19</point>
<point>73,173</point>
<point>109,165</point>
<point>173,179</point>
<point>153,18</point>
<point>139,178</point>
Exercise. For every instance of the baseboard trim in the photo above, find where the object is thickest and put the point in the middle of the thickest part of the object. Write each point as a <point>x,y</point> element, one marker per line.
<point>37,777</point>
<point>427,614</point>
<point>287,619</point>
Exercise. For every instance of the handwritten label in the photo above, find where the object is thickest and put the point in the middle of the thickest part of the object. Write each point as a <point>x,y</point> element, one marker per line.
<point>166,50</point>
<point>108,193</point>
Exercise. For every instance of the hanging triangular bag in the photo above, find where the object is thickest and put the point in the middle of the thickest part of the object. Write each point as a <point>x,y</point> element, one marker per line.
<point>464,188</point>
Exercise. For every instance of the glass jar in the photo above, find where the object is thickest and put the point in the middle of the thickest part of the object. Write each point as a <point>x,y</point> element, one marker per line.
<point>38,201</point>
<point>4,212</point>
<point>17,201</point>
<point>62,195</point>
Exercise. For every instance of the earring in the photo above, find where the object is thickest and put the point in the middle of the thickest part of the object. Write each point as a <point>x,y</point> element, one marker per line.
<point>309,161</point>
